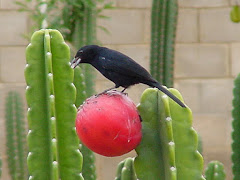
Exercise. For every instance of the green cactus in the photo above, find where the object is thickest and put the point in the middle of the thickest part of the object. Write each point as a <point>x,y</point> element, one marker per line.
<point>79,83</point>
<point>215,171</point>
<point>119,170</point>
<point>16,136</point>
<point>85,34</point>
<point>126,170</point>
<point>50,94</point>
<point>156,152</point>
<point>186,141</point>
<point>88,169</point>
<point>168,149</point>
<point>236,130</point>
<point>200,145</point>
<point>0,168</point>
<point>163,32</point>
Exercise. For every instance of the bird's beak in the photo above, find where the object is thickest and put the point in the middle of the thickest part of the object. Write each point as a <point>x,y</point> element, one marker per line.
<point>75,62</point>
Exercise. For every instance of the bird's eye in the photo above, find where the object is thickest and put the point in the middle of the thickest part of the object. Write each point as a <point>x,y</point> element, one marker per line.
<point>81,51</point>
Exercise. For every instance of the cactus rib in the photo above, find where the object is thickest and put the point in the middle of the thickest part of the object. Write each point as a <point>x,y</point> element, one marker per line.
<point>189,161</point>
<point>163,31</point>
<point>11,148</point>
<point>126,170</point>
<point>156,158</point>
<point>16,143</point>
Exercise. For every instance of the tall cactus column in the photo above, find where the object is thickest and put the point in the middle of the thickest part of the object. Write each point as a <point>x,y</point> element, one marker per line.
<point>16,136</point>
<point>50,94</point>
<point>236,130</point>
<point>163,32</point>
<point>85,34</point>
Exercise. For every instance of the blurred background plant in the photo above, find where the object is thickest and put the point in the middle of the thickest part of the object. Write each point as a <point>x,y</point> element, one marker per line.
<point>215,171</point>
<point>163,33</point>
<point>0,167</point>
<point>235,12</point>
<point>16,136</point>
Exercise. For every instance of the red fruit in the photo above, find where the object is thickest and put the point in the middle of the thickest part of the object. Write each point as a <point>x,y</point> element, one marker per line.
<point>109,124</point>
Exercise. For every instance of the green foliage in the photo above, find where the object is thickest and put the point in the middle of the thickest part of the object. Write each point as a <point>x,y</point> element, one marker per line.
<point>63,15</point>
<point>236,129</point>
<point>16,136</point>
<point>163,32</point>
<point>168,149</point>
<point>235,14</point>
<point>52,139</point>
<point>126,170</point>
<point>215,171</point>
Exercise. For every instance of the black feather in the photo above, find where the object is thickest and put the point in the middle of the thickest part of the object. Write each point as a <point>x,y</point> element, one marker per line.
<point>119,68</point>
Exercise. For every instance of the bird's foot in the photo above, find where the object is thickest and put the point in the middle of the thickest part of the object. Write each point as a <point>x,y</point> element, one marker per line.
<point>112,92</point>
<point>104,92</point>
<point>124,92</point>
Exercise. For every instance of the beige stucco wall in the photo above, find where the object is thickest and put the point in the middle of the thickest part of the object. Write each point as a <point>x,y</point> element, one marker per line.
<point>207,59</point>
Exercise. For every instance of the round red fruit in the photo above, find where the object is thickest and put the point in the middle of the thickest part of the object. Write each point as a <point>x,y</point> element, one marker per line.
<point>109,124</point>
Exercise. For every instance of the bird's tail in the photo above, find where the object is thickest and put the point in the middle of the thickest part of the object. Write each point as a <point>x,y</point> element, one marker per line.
<point>169,94</point>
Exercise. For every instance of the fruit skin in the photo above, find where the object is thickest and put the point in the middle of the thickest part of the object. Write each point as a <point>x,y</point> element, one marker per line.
<point>109,124</point>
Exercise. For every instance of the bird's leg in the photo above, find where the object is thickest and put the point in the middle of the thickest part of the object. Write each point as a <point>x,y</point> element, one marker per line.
<point>116,86</point>
<point>108,90</point>
<point>123,90</point>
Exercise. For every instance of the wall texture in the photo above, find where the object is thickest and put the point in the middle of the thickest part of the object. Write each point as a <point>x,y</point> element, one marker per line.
<point>207,59</point>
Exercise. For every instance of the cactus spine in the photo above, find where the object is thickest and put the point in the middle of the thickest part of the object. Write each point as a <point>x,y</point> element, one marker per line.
<point>168,149</point>
<point>236,130</point>
<point>163,32</point>
<point>215,171</point>
<point>50,94</point>
<point>126,170</point>
<point>16,142</point>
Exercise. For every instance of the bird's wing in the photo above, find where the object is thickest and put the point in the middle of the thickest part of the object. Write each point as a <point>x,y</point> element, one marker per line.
<point>125,66</point>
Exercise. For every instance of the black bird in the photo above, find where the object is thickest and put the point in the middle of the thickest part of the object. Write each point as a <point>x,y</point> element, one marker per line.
<point>119,68</point>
